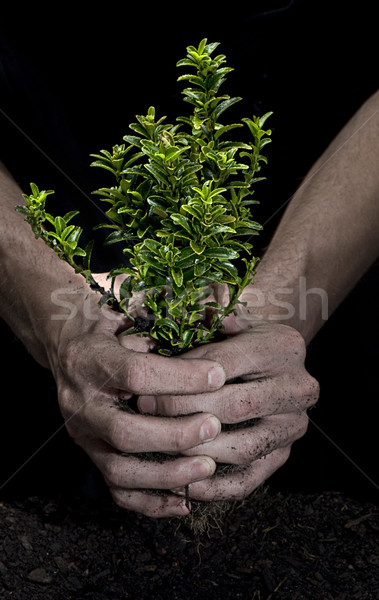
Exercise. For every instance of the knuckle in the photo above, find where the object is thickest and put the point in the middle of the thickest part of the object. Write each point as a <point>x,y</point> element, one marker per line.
<point>282,456</point>
<point>238,410</point>
<point>118,434</point>
<point>136,373</point>
<point>111,471</point>
<point>295,343</point>
<point>291,339</point>
<point>119,497</point>
<point>65,402</point>
<point>70,356</point>
<point>310,391</point>
<point>245,452</point>
<point>302,426</point>
<point>240,494</point>
<point>171,406</point>
<point>181,439</point>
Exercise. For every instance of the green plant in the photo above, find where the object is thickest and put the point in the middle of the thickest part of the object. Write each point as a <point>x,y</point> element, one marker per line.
<point>180,208</point>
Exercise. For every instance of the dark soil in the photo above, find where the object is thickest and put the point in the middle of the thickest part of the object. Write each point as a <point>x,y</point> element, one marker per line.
<point>274,546</point>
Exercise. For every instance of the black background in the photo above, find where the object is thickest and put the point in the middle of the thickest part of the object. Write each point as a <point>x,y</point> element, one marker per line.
<point>71,84</point>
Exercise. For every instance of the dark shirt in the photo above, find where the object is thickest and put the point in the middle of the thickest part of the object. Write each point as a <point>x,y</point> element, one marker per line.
<point>71,83</point>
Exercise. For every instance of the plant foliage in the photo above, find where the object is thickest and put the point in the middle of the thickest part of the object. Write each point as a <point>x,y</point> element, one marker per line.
<point>180,207</point>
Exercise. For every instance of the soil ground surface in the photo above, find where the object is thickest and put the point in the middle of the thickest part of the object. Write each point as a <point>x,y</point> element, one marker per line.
<point>274,546</point>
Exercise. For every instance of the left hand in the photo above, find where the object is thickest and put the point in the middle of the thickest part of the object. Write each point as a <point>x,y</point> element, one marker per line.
<point>273,387</point>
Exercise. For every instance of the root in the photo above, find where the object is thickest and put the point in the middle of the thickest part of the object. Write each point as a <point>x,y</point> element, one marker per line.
<point>204,517</point>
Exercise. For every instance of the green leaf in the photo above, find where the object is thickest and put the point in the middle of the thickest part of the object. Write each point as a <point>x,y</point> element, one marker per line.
<point>224,105</point>
<point>221,130</point>
<point>228,268</point>
<point>183,222</point>
<point>59,224</point>
<point>177,275</point>
<point>119,236</point>
<point>201,268</point>
<point>88,251</point>
<point>195,316</point>
<point>173,153</point>
<point>158,173</point>
<point>70,215</point>
<point>221,253</point>
<point>187,258</point>
<point>196,247</point>
<point>194,210</point>
<point>167,323</point>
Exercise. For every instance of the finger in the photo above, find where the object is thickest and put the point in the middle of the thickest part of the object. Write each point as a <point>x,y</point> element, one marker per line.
<point>134,433</point>
<point>156,472</point>
<point>116,367</point>
<point>238,482</point>
<point>151,505</point>
<point>265,350</point>
<point>238,402</point>
<point>242,446</point>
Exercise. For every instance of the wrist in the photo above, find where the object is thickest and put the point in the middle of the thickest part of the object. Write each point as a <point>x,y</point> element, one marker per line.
<point>35,302</point>
<point>295,301</point>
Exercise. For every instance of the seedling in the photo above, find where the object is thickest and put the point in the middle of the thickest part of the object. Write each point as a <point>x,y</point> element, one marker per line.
<point>180,208</point>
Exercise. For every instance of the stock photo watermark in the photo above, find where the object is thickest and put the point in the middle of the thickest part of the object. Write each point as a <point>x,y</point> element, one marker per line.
<point>279,304</point>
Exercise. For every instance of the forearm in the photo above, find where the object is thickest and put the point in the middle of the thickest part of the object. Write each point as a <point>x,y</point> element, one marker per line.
<point>30,277</point>
<point>328,236</point>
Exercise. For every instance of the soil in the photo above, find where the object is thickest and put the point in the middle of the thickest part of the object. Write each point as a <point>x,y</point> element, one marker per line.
<point>272,546</point>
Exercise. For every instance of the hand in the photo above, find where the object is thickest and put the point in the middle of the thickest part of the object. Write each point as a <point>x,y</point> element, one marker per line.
<point>94,366</point>
<point>267,381</point>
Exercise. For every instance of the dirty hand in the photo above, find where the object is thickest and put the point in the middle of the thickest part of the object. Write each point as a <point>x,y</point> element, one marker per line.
<point>93,371</point>
<point>268,383</point>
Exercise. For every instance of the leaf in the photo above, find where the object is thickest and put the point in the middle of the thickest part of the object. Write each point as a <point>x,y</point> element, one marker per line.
<point>200,295</point>
<point>187,338</point>
<point>172,153</point>
<point>59,225</point>
<point>79,252</point>
<point>224,105</point>
<point>196,247</point>
<point>230,269</point>
<point>221,130</point>
<point>71,234</point>
<point>88,251</point>
<point>168,323</point>
<point>126,288</point>
<point>158,173</point>
<point>70,215</point>
<point>152,261</point>
<point>246,231</point>
<point>183,222</point>
<point>187,258</point>
<point>216,305</point>
<point>221,253</point>
<point>201,268</point>
<point>152,245</point>
<point>194,210</point>
<point>177,275</point>
<point>118,236</point>
<point>134,140</point>
<point>195,316</point>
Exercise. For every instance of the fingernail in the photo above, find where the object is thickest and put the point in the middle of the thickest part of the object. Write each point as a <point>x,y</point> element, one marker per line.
<point>185,509</point>
<point>179,491</point>
<point>210,428</point>
<point>200,469</point>
<point>147,404</point>
<point>216,377</point>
